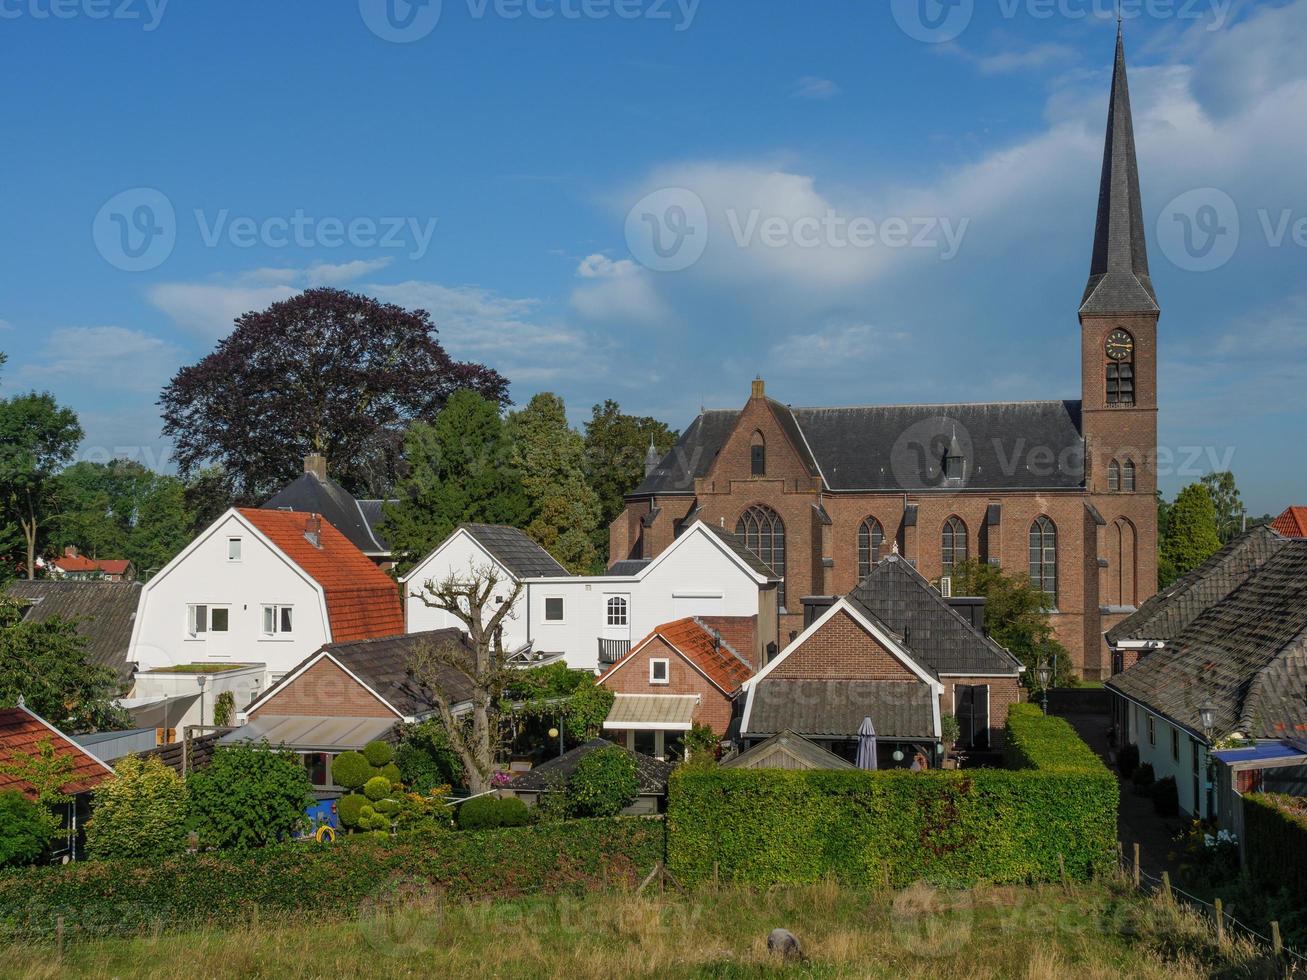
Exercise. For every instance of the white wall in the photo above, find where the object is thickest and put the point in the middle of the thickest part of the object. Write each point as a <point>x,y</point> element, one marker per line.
<point>203,575</point>
<point>696,577</point>
<point>1161,756</point>
<point>245,685</point>
<point>461,555</point>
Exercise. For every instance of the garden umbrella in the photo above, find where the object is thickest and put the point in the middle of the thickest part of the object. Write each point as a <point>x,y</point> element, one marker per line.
<point>867,745</point>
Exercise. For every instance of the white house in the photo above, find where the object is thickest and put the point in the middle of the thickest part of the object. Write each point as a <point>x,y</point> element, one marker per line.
<point>254,595</point>
<point>590,621</point>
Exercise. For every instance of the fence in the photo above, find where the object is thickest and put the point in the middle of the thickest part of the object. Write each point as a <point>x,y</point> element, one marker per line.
<point>1223,922</point>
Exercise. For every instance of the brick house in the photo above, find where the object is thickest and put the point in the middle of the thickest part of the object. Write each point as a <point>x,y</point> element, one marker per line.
<point>1062,490</point>
<point>685,672</point>
<point>346,695</point>
<point>893,650</point>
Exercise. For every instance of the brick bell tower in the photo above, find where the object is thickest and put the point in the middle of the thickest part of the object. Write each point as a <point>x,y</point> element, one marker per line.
<point>1118,327</point>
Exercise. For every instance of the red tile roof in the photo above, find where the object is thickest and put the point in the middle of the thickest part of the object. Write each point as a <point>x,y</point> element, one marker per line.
<point>363,602</point>
<point>72,564</point>
<point>694,640</point>
<point>22,732</point>
<point>1292,523</point>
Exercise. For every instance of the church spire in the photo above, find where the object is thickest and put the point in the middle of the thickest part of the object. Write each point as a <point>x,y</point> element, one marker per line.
<point>1118,275</point>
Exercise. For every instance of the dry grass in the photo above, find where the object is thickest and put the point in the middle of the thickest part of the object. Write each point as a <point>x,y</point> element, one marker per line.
<point>918,933</point>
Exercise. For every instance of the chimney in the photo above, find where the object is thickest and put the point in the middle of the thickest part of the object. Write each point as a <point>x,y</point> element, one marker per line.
<point>759,388</point>
<point>651,459</point>
<point>313,530</point>
<point>315,464</point>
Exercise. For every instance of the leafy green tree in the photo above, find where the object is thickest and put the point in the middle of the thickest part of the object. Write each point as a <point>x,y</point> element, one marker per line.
<point>603,784</point>
<point>37,439</point>
<point>249,796</point>
<point>458,469</point>
<point>47,771</point>
<point>1230,511</point>
<point>1016,615</point>
<point>26,829</point>
<point>550,455</point>
<point>542,696</point>
<point>616,446</point>
<point>45,663</point>
<point>164,525</point>
<point>1192,535</point>
<point>139,813</point>
<point>426,759</point>
<point>208,494</point>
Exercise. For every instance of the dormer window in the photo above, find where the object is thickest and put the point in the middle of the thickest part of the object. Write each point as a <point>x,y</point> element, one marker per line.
<point>954,467</point>
<point>758,456</point>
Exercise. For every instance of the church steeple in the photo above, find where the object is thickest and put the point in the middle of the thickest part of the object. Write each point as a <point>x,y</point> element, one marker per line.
<point>1118,274</point>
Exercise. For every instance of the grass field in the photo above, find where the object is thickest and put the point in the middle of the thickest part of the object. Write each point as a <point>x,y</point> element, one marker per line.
<point>1089,932</point>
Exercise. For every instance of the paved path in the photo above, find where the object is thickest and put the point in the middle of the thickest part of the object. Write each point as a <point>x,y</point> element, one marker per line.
<point>1136,821</point>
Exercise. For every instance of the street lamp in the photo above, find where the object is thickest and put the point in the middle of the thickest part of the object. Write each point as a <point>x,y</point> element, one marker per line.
<point>558,734</point>
<point>201,680</point>
<point>1207,714</point>
<point>1044,674</point>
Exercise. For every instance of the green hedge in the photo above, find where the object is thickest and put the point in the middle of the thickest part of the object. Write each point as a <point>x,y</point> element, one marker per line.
<point>1275,843</point>
<point>107,897</point>
<point>766,827</point>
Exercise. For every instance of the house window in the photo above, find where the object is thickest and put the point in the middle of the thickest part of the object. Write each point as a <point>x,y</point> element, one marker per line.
<point>233,549</point>
<point>1043,557</point>
<point>554,609</point>
<point>203,619</point>
<point>1175,743</point>
<point>1152,730</point>
<point>761,530</point>
<point>318,765</point>
<point>658,671</point>
<point>1114,477</point>
<point>277,620</point>
<point>871,536</point>
<point>953,544</point>
<point>617,611</point>
<point>1128,477</point>
<point>758,456</point>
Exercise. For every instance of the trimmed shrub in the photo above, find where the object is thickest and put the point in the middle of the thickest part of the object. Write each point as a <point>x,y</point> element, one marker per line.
<point>349,807</point>
<point>139,813</point>
<point>351,770</point>
<point>305,879</point>
<point>376,788</point>
<point>764,827</point>
<point>426,760</point>
<point>489,812</point>
<point>1166,797</point>
<point>1275,843</point>
<point>378,754</point>
<point>1143,778</point>
<point>391,773</point>
<point>513,812</point>
<point>26,829</point>
<point>1127,760</point>
<point>603,784</point>
<point>249,796</point>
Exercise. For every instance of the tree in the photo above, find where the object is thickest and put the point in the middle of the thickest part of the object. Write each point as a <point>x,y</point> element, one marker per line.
<point>603,784</point>
<point>37,439</point>
<point>26,829</point>
<point>45,664</point>
<point>1192,535</point>
<point>327,371</point>
<point>457,469</point>
<point>139,813</point>
<point>616,447</point>
<point>426,759</point>
<point>1230,511</point>
<point>551,458</point>
<point>473,600</point>
<point>47,771</point>
<point>1016,616</point>
<point>249,796</point>
<point>164,525</point>
<point>208,494</point>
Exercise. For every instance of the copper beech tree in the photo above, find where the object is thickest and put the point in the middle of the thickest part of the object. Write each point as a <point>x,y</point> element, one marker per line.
<point>474,599</point>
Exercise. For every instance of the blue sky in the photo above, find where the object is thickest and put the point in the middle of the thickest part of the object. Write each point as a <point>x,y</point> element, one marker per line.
<point>805,131</point>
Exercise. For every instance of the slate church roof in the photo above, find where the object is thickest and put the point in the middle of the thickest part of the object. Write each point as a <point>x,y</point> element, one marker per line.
<point>1245,655</point>
<point>1005,445</point>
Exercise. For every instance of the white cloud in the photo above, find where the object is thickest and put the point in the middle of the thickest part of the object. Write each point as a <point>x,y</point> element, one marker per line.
<point>602,267</point>
<point>1014,59</point>
<point>812,87</point>
<point>104,358</point>
<point>845,346</point>
<point>208,309</point>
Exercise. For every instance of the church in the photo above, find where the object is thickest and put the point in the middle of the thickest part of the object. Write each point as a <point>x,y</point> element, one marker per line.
<point>1061,490</point>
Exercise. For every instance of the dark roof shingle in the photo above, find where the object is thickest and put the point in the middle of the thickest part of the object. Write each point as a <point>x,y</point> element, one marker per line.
<point>651,773</point>
<point>516,551</point>
<point>104,612</point>
<point>356,519</point>
<point>835,708</point>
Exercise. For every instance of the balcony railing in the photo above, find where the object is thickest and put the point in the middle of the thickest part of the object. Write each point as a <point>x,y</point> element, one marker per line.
<point>611,651</point>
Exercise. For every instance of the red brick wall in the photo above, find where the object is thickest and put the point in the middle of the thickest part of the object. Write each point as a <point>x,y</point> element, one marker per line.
<point>633,678</point>
<point>324,690</point>
<point>842,650</point>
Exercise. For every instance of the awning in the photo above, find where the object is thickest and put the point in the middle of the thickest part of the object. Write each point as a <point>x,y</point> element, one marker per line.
<point>652,712</point>
<point>311,734</point>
